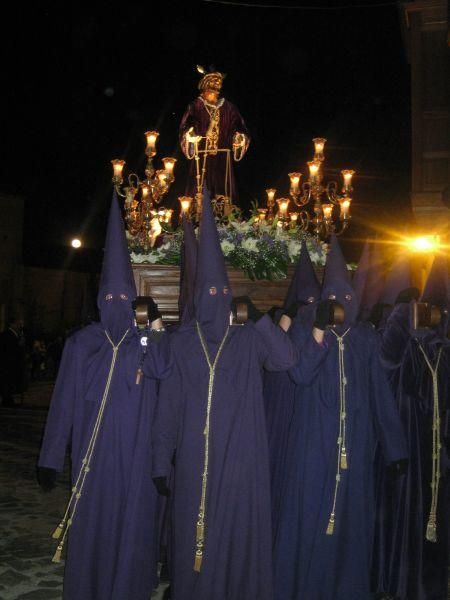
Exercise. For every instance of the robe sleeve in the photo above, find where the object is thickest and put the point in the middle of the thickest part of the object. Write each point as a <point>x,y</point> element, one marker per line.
<point>165,425</point>
<point>310,357</point>
<point>189,120</point>
<point>277,351</point>
<point>395,337</point>
<point>238,126</point>
<point>388,426</point>
<point>158,359</point>
<point>58,429</point>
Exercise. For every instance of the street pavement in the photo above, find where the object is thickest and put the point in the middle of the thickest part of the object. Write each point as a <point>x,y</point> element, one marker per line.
<point>28,516</point>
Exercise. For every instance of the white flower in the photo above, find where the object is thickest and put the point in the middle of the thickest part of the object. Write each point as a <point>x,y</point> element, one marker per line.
<point>293,248</point>
<point>242,226</point>
<point>137,258</point>
<point>227,247</point>
<point>250,244</point>
<point>153,258</point>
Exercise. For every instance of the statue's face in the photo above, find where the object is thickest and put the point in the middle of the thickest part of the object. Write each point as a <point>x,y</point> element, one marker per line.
<point>212,91</point>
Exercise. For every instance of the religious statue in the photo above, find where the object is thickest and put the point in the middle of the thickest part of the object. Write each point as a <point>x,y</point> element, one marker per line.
<point>213,135</point>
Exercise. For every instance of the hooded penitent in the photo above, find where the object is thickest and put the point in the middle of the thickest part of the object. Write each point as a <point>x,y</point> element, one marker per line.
<point>374,282</point>
<point>279,388</point>
<point>212,296</point>
<point>211,419</point>
<point>102,408</point>
<point>187,272</point>
<point>436,291</point>
<point>337,283</point>
<point>343,411</point>
<point>361,274</point>
<point>414,546</point>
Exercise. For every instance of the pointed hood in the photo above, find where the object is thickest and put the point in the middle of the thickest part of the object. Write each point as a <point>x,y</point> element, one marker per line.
<point>212,297</point>
<point>360,276</point>
<point>336,283</point>
<point>398,279</point>
<point>187,272</point>
<point>305,286</point>
<point>117,289</point>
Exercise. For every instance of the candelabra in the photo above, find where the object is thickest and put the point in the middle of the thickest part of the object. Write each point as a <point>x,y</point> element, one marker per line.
<point>324,200</point>
<point>143,214</point>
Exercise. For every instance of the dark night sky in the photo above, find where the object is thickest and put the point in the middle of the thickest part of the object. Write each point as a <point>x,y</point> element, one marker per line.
<point>294,74</point>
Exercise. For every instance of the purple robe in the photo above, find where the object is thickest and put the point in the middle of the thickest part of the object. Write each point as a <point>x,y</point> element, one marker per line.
<point>112,549</point>
<point>309,564</point>
<point>231,122</point>
<point>237,561</point>
<point>410,566</point>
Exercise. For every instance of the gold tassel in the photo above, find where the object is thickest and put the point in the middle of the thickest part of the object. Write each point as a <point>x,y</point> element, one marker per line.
<point>431,532</point>
<point>57,556</point>
<point>344,465</point>
<point>198,562</point>
<point>330,528</point>
<point>200,532</point>
<point>58,531</point>
<point>138,376</point>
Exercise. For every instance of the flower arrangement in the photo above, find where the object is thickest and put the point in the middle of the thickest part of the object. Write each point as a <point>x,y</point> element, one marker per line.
<point>261,250</point>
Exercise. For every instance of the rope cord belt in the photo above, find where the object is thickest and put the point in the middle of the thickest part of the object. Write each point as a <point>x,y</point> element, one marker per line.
<point>342,464</point>
<point>201,519</point>
<point>431,533</point>
<point>77,488</point>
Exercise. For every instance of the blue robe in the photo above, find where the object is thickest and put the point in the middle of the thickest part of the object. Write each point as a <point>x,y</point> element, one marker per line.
<point>112,543</point>
<point>309,564</point>
<point>410,566</point>
<point>237,560</point>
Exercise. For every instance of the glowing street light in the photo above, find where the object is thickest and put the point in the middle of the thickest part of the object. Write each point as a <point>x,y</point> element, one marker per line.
<point>424,243</point>
<point>75,243</point>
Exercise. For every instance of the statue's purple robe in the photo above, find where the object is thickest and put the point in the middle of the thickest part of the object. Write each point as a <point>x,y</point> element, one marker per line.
<point>231,122</point>
<point>410,566</point>
<point>237,558</point>
<point>279,387</point>
<point>112,543</point>
<point>309,563</point>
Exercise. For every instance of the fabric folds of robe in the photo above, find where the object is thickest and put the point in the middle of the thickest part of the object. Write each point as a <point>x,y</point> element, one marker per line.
<point>112,543</point>
<point>410,566</point>
<point>309,563</point>
<point>237,559</point>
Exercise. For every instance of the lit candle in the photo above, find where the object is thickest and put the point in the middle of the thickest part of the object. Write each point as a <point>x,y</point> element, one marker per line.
<point>319,144</point>
<point>283,204</point>
<point>270,196</point>
<point>185,203</point>
<point>162,176</point>
<point>327,211</point>
<point>145,190</point>
<point>295,180</point>
<point>168,215</point>
<point>347,175</point>
<point>169,164</point>
<point>262,213</point>
<point>151,137</point>
<point>314,167</point>
<point>118,166</point>
<point>294,217</point>
<point>345,208</point>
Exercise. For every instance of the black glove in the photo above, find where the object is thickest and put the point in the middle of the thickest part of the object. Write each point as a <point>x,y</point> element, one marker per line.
<point>405,296</point>
<point>153,310</point>
<point>292,311</point>
<point>398,467</point>
<point>161,486</point>
<point>253,313</point>
<point>46,478</point>
<point>324,314</point>
<point>377,313</point>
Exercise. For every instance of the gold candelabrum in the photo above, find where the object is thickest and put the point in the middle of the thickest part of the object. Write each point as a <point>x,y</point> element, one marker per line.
<point>144,215</point>
<point>330,208</point>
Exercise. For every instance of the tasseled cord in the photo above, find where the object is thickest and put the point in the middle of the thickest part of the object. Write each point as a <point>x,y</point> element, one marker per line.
<point>201,519</point>
<point>64,526</point>
<point>431,531</point>
<point>342,464</point>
